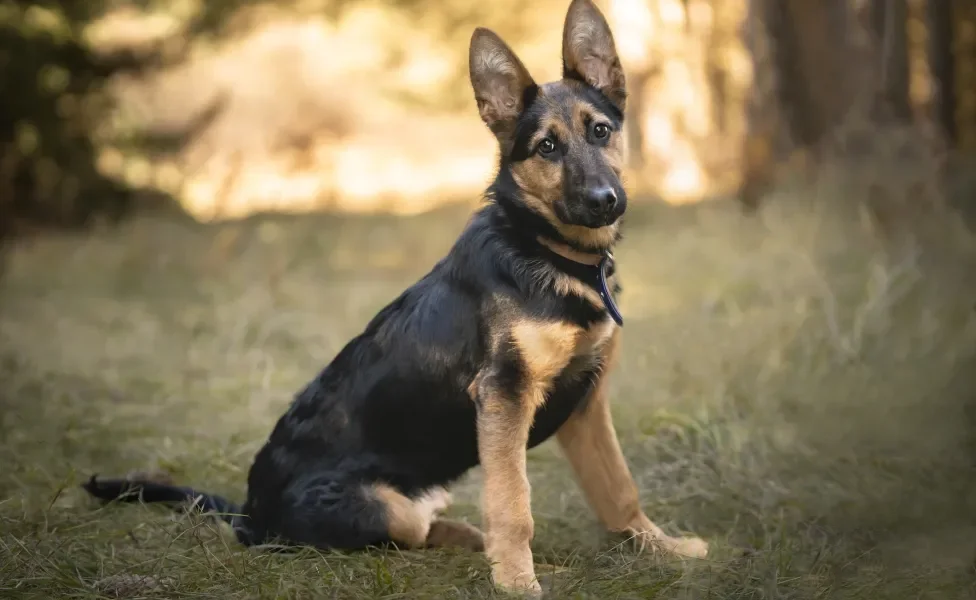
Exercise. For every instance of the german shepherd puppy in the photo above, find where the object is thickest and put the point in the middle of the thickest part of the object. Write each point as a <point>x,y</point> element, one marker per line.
<point>505,343</point>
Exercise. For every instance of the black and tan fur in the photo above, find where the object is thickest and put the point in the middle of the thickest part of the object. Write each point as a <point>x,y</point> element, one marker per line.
<point>502,345</point>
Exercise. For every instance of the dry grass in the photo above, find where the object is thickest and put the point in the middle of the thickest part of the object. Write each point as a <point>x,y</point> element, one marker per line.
<point>786,386</point>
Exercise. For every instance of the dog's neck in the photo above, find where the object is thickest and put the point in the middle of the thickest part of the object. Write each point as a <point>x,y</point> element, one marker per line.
<point>591,268</point>
<point>592,259</point>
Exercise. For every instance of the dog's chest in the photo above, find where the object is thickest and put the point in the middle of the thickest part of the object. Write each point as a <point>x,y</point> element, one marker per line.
<point>591,348</point>
<point>547,349</point>
<point>593,340</point>
<point>570,388</point>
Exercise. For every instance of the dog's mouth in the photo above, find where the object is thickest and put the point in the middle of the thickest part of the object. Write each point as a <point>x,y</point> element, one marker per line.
<point>589,220</point>
<point>611,217</point>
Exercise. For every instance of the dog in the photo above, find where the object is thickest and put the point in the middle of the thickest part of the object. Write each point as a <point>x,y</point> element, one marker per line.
<point>506,342</point>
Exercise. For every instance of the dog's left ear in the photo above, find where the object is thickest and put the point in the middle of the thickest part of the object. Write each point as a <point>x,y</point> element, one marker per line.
<point>589,54</point>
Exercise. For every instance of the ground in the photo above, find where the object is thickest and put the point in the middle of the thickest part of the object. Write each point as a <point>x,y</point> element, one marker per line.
<point>788,389</point>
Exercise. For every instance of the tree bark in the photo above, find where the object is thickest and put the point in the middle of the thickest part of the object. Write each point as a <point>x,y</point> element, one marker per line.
<point>889,25</point>
<point>942,65</point>
<point>817,77</point>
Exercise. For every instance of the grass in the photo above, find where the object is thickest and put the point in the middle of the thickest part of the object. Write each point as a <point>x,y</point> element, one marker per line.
<point>787,386</point>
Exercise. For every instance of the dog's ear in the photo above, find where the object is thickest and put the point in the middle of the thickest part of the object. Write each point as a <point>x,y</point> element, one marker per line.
<point>502,85</point>
<point>589,54</point>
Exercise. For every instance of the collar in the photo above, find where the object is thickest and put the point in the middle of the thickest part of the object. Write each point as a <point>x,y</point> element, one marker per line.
<point>591,268</point>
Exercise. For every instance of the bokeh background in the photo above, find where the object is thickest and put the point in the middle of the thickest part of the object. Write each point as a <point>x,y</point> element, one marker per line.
<point>201,202</point>
<point>233,107</point>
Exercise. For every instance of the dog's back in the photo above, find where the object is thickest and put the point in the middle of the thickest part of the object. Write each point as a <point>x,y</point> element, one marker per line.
<point>396,405</point>
<point>505,343</point>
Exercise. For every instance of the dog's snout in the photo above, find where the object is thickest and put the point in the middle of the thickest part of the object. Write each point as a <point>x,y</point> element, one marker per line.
<point>601,200</point>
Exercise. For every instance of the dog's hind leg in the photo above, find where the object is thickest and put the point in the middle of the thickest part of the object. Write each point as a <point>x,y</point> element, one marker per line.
<point>445,533</point>
<point>413,522</point>
<point>326,512</point>
<point>408,519</point>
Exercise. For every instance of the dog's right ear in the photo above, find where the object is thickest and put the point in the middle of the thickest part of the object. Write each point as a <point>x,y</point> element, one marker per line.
<point>502,85</point>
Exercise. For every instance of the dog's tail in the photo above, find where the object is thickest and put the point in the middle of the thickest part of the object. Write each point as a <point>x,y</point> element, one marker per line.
<point>146,490</point>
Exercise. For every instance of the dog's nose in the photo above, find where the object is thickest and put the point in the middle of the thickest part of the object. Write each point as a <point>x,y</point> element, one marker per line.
<point>601,200</point>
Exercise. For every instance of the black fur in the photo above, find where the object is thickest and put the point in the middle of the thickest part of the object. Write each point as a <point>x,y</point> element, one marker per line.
<point>394,405</point>
<point>135,490</point>
<point>505,190</point>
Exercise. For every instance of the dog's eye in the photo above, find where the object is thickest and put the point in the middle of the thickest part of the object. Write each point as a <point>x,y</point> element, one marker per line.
<point>547,146</point>
<point>601,130</point>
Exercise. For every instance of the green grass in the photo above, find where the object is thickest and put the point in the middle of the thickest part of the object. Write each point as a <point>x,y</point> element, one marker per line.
<point>786,386</point>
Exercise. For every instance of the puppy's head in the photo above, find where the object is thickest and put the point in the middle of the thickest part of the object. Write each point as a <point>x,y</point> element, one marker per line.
<point>561,142</point>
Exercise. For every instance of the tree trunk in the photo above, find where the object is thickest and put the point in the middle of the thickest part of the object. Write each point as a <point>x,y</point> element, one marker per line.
<point>942,65</point>
<point>816,75</point>
<point>889,25</point>
<point>764,121</point>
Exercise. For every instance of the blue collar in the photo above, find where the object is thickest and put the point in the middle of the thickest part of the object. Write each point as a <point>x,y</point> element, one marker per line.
<point>594,276</point>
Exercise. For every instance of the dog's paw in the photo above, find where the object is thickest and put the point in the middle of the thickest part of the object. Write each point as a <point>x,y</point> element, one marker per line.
<point>516,582</point>
<point>691,547</point>
<point>657,541</point>
<point>515,571</point>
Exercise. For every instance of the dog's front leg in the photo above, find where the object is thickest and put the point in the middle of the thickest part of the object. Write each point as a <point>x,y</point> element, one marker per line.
<point>590,443</point>
<point>503,432</point>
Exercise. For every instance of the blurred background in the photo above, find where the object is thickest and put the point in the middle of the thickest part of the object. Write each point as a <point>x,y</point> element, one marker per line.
<point>236,106</point>
<point>203,201</point>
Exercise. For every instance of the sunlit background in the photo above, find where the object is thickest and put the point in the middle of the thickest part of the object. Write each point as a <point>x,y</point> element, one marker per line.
<point>236,107</point>
<point>201,202</point>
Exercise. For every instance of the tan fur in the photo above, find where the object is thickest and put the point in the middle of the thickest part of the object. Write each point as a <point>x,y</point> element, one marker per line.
<point>499,78</point>
<point>604,237</point>
<point>596,338</point>
<point>586,258</point>
<point>541,183</point>
<point>589,49</point>
<point>614,154</point>
<point>546,347</point>
<point>409,521</point>
<point>445,533</point>
<point>503,433</point>
<point>548,185</point>
<point>565,285</point>
<point>541,180</point>
<point>584,112</point>
<point>503,430</point>
<point>473,387</point>
<point>551,124</point>
<point>413,523</point>
<point>590,443</point>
